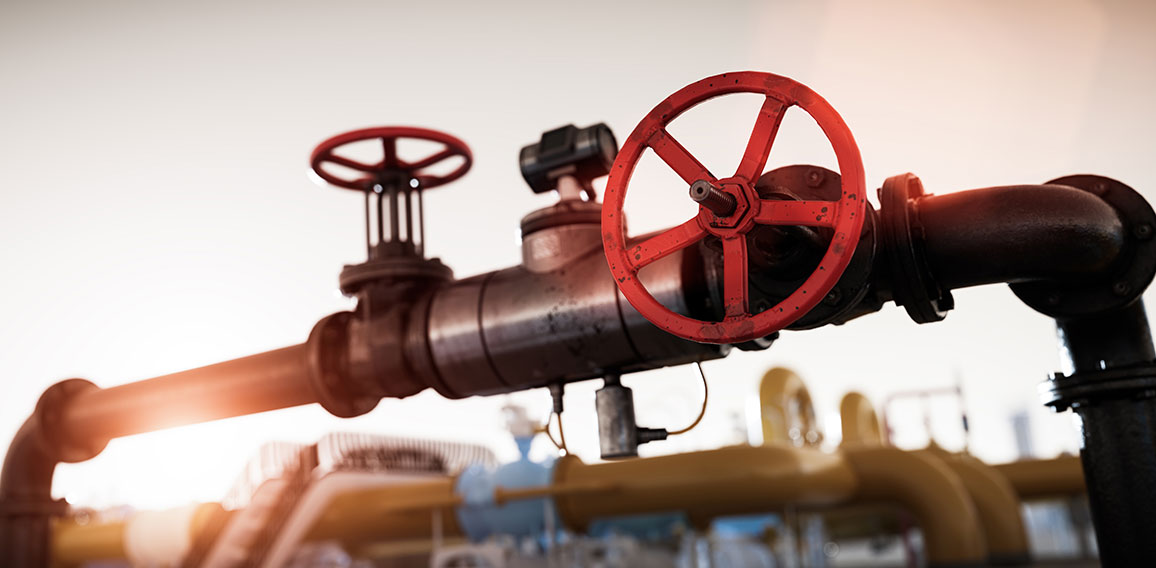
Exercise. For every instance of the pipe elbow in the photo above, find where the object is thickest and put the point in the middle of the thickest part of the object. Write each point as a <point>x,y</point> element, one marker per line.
<point>998,507</point>
<point>1018,234</point>
<point>928,489</point>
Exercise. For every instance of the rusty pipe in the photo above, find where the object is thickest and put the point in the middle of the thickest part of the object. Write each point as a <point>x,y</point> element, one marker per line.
<point>259,383</point>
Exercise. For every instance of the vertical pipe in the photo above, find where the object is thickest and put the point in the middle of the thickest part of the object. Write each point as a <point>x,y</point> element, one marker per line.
<point>1118,422</point>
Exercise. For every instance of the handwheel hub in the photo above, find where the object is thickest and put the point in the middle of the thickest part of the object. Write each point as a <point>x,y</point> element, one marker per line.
<point>742,217</point>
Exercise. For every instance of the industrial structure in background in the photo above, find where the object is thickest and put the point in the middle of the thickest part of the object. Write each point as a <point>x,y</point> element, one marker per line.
<point>794,248</point>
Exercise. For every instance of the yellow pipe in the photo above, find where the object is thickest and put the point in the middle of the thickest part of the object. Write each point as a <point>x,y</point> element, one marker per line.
<point>74,544</point>
<point>403,511</point>
<point>859,421</point>
<point>928,489</point>
<point>1056,477</point>
<point>788,416</point>
<point>704,485</point>
<point>997,504</point>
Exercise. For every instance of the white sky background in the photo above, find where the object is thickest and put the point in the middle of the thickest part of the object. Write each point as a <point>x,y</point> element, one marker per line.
<point>155,214</point>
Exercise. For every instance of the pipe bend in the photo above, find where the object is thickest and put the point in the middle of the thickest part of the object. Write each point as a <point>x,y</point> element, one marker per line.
<point>928,489</point>
<point>859,422</point>
<point>998,507</point>
<point>1018,233</point>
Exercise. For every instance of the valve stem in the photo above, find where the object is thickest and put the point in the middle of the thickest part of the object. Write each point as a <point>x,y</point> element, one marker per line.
<point>718,201</point>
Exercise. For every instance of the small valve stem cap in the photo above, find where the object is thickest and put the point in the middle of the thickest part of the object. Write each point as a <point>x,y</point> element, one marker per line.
<point>718,201</point>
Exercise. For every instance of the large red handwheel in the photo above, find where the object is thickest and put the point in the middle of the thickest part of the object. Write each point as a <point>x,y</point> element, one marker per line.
<point>730,207</point>
<point>390,164</point>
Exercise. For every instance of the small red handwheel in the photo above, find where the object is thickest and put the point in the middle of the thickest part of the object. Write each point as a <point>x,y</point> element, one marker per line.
<point>390,164</point>
<point>730,207</point>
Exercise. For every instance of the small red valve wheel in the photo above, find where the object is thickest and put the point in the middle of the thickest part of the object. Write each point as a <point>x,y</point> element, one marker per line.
<point>730,207</point>
<point>390,165</point>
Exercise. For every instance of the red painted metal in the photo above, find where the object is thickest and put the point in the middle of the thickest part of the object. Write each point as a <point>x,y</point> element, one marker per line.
<point>844,217</point>
<point>390,164</point>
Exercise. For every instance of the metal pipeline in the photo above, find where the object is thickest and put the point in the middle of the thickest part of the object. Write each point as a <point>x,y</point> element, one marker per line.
<point>492,333</point>
<point>268,381</point>
<point>785,407</point>
<point>859,421</point>
<point>997,504</point>
<point>1018,233</point>
<point>703,485</point>
<point>931,491</point>
<point>1043,479</point>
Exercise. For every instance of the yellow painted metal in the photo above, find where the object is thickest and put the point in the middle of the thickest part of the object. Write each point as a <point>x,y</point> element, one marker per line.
<point>996,502</point>
<point>859,420</point>
<point>1036,479</point>
<point>928,489</point>
<point>405,511</point>
<point>788,416</point>
<point>703,485</point>
<point>74,543</point>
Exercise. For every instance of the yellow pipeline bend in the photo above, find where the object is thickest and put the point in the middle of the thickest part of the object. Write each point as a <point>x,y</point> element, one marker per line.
<point>787,413</point>
<point>859,421</point>
<point>998,506</point>
<point>928,489</point>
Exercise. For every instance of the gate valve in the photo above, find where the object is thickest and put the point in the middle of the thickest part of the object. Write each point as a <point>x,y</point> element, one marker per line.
<point>391,168</point>
<point>392,187</point>
<point>730,207</point>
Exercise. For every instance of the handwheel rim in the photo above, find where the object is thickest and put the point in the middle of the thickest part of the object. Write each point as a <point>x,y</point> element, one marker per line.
<point>324,153</point>
<point>847,219</point>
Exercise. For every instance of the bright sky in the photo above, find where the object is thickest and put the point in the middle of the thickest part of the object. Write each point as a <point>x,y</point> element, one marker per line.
<point>156,216</point>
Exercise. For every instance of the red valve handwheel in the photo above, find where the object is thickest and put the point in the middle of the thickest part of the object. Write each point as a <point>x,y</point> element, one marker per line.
<point>844,217</point>
<point>390,164</point>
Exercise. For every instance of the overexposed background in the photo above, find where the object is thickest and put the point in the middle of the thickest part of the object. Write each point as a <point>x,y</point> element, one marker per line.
<point>155,213</point>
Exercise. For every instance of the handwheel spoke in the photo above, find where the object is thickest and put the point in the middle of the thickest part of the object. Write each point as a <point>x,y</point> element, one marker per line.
<point>389,158</point>
<point>346,162</point>
<point>807,213</point>
<point>678,158</point>
<point>735,276</point>
<point>762,138</point>
<point>665,243</point>
<point>427,162</point>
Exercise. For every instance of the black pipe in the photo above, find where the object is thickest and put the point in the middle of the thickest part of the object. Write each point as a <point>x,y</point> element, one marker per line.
<point>1112,388</point>
<point>1081,253</point>
<point>1018,233</point>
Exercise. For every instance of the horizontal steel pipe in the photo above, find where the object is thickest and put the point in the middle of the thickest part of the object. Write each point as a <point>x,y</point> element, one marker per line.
<point>259,383</point>
<point>1018,233</point>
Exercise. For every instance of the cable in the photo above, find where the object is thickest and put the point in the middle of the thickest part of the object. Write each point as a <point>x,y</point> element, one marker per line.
<point>545,429</point>
<point>701,413</point>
